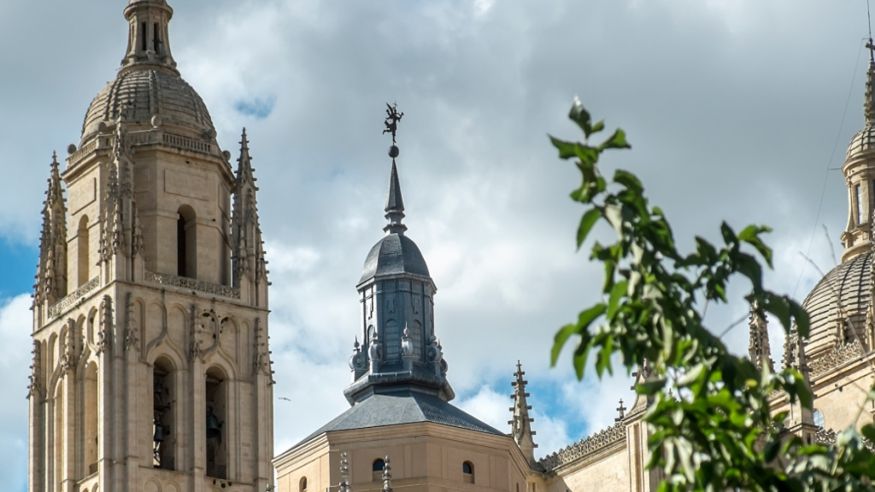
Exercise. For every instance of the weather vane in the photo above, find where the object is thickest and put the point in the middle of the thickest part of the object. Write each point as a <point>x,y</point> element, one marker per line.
<point>393,117</point>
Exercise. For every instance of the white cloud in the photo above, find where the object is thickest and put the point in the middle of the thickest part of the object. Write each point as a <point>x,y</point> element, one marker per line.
<point>726,116</point>
<point>493,408</point>
<point>15,329</point>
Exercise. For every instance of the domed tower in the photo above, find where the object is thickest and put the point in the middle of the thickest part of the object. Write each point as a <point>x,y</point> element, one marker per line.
<point>842,332</point>
<point>400,396</point>
<point>400,350</point>
<point>151,368</point>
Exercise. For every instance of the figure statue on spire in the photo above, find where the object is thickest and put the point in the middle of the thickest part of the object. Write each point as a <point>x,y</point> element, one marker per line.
<point>393,117</point>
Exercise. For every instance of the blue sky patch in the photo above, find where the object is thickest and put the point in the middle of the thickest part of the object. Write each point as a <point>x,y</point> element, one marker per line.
<point>258,107</point>
<point>19,267</point>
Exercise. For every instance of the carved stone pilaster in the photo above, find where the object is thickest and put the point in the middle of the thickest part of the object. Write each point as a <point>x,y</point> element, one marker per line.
<point>132,328</point>
<point>35,386</point>
<point>106,325</point>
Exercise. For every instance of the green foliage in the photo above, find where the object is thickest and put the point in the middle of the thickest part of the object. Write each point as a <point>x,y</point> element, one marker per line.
<point>711,423</point>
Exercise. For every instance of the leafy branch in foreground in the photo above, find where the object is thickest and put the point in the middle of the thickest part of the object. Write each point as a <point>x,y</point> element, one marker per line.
<point>719,431</point>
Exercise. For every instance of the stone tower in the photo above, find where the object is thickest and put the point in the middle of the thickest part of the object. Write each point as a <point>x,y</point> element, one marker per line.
<point>151,368</point>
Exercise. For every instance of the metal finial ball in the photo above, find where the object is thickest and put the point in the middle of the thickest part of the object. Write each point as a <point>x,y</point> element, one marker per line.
<point>394,151</point>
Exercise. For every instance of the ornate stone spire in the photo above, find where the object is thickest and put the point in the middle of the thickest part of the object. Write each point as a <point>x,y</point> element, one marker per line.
<point>521,424</point>
<point>394,204</point>
<point>248,251</point>
<point>859,172</point>
<point>400,351</point>
<point>801,420</point>
<point>149,36</point>
<point>51,278</point>
<point>759,350</point>
<point>387,475</point>
<point>869,103</point>
<point>344,473</point>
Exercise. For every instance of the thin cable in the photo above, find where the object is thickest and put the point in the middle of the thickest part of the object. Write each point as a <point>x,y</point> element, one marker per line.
<point>828,164</point>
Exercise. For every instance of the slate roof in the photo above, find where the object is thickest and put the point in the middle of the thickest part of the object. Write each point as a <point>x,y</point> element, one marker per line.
<point>394,254</point>
<point>406,408</point>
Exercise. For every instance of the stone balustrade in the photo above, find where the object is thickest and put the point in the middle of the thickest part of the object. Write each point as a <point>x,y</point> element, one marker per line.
<point>192,284</point>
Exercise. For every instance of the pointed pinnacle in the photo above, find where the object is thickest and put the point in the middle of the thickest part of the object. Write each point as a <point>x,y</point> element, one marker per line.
<point>869,103</point>
<point>394,204</point>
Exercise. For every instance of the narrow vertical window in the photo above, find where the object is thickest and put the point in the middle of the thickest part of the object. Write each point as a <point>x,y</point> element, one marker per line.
<point>217,441</point>
<point>89,431</point>
<point>83,254</point>
<point>163,443</point>
<point>186,243</point>
<point>858,203</point>
<point>156,39</point>
<point>302,485</point>
<point>143,41</point>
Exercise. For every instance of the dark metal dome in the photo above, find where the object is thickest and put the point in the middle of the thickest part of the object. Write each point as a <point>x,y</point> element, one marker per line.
<point>393,255</point>
<point>139,95</point>
<point>837,304</point>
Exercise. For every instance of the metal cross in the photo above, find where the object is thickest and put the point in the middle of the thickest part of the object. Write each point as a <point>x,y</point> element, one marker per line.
<point>621,410</point>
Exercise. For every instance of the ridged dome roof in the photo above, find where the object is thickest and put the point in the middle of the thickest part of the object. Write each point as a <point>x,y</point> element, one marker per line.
<point>139,94</point>
<point>394,254</point>
<point>863,141</point>
<point>839,300</point>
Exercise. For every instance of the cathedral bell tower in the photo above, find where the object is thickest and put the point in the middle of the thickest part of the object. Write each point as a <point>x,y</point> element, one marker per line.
<point>151,369</point>
<point>859,172</point>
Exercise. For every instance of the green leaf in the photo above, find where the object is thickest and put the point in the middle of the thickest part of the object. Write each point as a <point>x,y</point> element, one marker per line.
<point>580,115</point>
<point>584,319</point>
<point>617,293</point>
<point>629,180</point>
<point>616,141</point>
<point>868,431</point>
<point>751,235</point>
<point>559,341</point>
<point>586,223</point>
<point>566,149</point>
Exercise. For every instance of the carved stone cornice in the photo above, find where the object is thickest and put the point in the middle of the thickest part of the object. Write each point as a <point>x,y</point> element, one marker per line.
<point>61,306</point>
<point>836,357</point>
<point>192,284</point>
<point>585,447</point>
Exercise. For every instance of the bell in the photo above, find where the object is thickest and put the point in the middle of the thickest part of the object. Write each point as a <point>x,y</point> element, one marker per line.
<point>159,433</point>
<point>214,427</point>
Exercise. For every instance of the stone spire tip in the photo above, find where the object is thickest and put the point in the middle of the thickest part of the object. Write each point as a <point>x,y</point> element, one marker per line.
<point>521,422</point>
<point>395,204</point>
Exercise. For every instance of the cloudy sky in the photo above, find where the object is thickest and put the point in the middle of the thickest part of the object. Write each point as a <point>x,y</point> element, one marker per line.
<point>737,110</point>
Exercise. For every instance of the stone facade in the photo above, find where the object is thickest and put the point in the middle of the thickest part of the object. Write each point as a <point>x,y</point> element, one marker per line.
<point>151,367</point>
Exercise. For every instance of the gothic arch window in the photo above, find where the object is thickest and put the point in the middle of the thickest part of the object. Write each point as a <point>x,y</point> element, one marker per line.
<point>377,469</point>
<point>83,252</point>
<point>468,472</point>
<point>163,415</point>
<point>89,424</point>
<point>216,397</point>
<point>186,242</point>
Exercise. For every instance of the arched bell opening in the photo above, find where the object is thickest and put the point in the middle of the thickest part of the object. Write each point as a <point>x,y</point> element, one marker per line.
<point>216,398</point>
<point>164,427</point>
